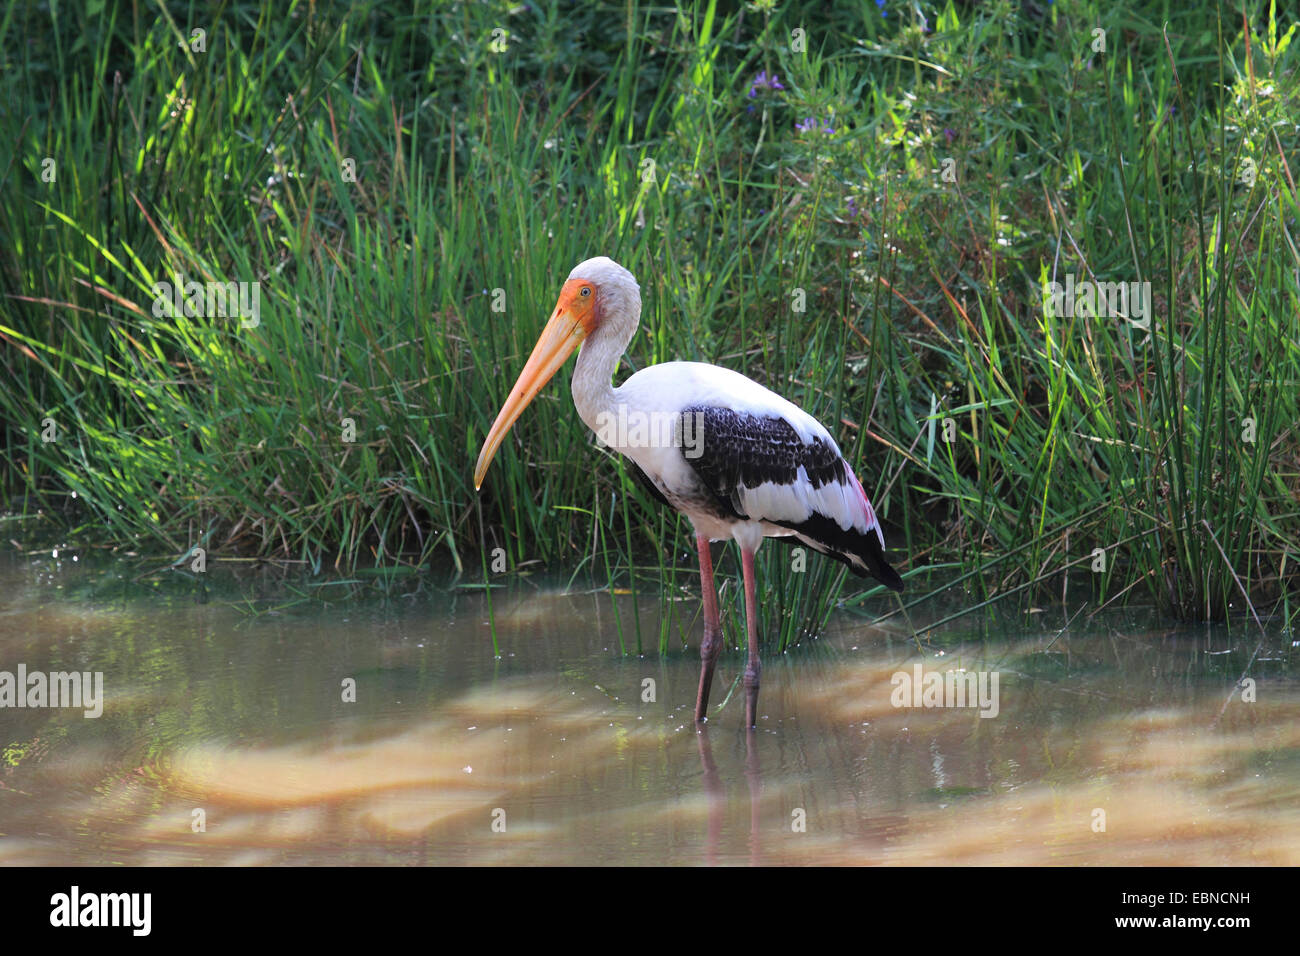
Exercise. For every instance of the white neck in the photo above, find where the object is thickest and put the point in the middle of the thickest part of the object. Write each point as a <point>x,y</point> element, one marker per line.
<point>593,389</point>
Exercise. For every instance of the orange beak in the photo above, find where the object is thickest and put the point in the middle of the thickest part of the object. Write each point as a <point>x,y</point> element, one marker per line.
<point>572,321</point>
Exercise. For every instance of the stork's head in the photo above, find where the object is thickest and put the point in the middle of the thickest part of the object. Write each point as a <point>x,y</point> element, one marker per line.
<point>614,300</point>
<point>600,300</point>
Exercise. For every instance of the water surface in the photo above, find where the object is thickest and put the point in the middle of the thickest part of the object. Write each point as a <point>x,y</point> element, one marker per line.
<point>1115,742</point>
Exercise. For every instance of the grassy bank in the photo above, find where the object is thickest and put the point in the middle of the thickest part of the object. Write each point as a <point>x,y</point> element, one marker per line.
<point>860,210</point>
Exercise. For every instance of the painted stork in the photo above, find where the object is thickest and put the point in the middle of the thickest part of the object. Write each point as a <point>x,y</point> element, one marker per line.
<point>738,460</point>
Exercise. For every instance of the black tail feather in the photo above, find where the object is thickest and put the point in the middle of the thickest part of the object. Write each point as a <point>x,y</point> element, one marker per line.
<point>848,545</point>
<point>874,556</point>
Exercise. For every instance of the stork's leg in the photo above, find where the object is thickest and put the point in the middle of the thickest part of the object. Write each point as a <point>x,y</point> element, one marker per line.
<point>755,667</point>
<point>712,643</point>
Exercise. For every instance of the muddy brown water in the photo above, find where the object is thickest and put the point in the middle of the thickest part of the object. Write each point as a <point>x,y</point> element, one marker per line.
<point>225,737</point>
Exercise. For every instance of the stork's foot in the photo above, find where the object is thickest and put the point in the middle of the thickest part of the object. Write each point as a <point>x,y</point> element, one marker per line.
<point>752,674</point>
<point>710,647</point>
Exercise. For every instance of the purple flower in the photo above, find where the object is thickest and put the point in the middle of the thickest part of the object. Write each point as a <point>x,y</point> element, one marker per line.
<point>949,134</point>
<point>810,124</point>
<point>763,82</point>
<point>853,208</point>
<point>880,5</point>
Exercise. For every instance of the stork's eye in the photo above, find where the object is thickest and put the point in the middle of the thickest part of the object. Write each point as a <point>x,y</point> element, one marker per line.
<point>586,291</point>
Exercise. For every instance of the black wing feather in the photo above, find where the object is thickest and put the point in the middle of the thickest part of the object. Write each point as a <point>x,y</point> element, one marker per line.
<point>744,451</point>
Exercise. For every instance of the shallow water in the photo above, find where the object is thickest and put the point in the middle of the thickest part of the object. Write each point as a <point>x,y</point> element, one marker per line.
<point>1115,743</point>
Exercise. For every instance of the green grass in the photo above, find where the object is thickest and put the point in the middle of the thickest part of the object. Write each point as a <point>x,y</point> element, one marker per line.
<point>1002,445</point>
